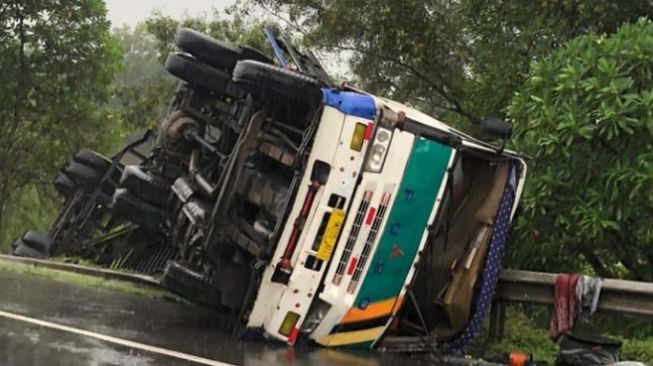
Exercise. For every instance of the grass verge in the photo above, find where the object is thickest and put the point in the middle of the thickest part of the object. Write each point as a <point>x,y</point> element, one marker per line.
<point>85,280</point>
<point>528,334</point>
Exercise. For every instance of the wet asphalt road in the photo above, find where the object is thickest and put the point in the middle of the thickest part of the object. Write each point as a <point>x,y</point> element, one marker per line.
<point>25,344</point>
<point>157,322</point>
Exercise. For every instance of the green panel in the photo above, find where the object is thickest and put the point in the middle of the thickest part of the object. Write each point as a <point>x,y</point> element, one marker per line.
<point>406,223</point>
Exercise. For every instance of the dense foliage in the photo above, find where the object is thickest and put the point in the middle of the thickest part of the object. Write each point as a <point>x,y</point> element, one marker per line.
<point>461,60</point>
<point>586,116</point>
<point>508,35</point>
<point>57,65</point>
<point>143,87</point>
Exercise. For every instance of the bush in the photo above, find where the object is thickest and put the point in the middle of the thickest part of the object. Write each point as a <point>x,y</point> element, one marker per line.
<point>522,334</point>
<point>586,116</point>
<point>637,349</point>
<point>527,331</point>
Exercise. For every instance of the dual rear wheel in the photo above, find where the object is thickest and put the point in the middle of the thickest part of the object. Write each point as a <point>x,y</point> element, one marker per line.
<point>212,66</point>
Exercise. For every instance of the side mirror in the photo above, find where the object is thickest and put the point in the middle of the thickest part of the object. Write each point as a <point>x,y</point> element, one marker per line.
<point>496,128</point>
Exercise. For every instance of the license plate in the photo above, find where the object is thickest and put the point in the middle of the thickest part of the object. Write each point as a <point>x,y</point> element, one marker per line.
<point>331,234</point>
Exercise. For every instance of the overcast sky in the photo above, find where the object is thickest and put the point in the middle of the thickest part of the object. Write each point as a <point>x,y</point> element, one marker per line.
<point>131,12</point>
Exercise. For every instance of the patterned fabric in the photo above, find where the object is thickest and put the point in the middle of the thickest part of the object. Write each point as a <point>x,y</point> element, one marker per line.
<point>492,268</point>
<point>565,313</point>
<point>588,291</point>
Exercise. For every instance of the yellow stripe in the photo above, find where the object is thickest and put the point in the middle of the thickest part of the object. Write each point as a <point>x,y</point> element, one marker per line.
<point>357,336</point>
<point>372,311</point>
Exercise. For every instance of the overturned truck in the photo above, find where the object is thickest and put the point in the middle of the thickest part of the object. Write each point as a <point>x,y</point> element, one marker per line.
<point>302,209</point>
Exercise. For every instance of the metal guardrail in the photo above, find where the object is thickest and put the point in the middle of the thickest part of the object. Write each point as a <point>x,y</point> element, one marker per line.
<point>625,297</point>
<point>617,296</point>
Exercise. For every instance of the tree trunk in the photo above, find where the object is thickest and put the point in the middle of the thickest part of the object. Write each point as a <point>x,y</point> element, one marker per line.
<point>596,263</point>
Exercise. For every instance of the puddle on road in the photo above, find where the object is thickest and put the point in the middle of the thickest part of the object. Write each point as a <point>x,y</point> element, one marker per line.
<point>22,345</point>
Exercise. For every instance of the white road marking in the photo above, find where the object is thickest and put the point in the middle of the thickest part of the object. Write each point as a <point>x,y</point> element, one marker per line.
<point>118,341</point>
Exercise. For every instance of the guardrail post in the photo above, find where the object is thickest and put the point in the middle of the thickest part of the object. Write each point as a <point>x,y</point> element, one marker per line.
<point>497,320</point>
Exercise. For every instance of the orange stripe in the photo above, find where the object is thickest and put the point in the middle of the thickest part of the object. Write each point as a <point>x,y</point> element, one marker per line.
<point>398,305</point>
<point>372,311</point>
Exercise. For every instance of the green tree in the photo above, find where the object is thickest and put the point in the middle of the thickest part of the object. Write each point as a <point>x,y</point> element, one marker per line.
<point>144,88</point>
<point>460,60</point>
<point>506,36</point>
<point>413,50</point>
<point>236,26</point>
<point>586,116</point>
<point>57,63</point>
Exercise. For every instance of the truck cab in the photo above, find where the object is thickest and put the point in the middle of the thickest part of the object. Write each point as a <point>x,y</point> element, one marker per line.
<point>390,230</point>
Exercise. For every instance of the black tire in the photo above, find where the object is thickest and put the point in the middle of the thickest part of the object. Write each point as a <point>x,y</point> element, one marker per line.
<point>221,55</point>
<point>145,186</point>
<point>198,74</point>
<point>22,250</point>
<point>190,285</point>
<point>39,242</point>
<point>259,77</point>
<point>98,162</point>
<point>134,210</point>
<point>83,176</point>
<point>65,186</point>
<point>92,159</point>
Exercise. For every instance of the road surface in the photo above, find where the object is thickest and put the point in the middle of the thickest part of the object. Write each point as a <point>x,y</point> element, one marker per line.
<point>46,322</point>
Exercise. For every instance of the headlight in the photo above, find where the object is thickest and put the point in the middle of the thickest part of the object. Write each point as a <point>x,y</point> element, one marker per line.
<point>316,314</point>
<point>376,158</point>
<point>379,150</point>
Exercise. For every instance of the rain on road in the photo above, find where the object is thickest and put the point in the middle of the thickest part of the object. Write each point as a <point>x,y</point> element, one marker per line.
<point>164,323</point>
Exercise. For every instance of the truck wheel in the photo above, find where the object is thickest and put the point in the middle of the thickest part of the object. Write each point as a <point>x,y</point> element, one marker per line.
<point>205,48</point>
<point>22,250</point>
<point>140,184</point>
<point>221,55</point>
<point>83,176</point>
<point>190,285</point>
<point>134,210</point>
<point>198,74</point>
<point>98,162</point>
<point>259,77</point>
<point>92,159</point>
<point>64,186</point>
<point>34,244</point>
